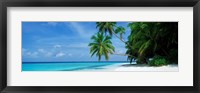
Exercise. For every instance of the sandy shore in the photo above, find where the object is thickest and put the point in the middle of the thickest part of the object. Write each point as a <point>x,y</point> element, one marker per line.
<point>168,68</point>
<point>136,68</point>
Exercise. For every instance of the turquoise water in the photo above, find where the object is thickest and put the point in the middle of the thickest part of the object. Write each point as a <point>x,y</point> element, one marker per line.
<point>65,66</point>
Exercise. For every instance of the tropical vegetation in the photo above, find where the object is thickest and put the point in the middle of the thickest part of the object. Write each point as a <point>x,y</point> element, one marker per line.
<point>147,40</point>
<point>101,45</point>
<point>158,61</point>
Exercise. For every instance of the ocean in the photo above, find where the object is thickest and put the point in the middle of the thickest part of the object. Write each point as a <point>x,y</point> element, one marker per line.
<point>68,66</point>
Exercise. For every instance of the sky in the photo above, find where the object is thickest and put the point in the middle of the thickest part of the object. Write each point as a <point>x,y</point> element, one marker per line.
<point>64,41</point>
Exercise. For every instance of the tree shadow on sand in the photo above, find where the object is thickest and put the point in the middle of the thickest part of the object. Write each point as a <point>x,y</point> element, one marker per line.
<point>135,65</point>
<point>145,65</point>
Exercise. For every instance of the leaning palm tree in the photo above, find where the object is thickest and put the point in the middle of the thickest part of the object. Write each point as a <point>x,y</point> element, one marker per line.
<point>109,27</point>
<point>142,36</point>
<point>101,45</point>
<point>148,38</point>
<point>120,30</point>
<point>106,27</point>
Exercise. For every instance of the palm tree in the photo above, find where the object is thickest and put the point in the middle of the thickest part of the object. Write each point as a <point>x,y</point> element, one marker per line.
<point>106,27</point>
<point>120,30</point>
<point>101,45</point>
<point>132,53</point>
<point>152,38</point>
<point>109,27</point>
<point>143,40</point>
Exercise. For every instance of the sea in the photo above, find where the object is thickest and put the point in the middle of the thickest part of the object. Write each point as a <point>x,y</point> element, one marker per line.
<point>69,66</point>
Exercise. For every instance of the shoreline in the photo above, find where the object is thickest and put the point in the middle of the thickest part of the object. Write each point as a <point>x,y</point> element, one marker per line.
<point>116,67</point>
<point>124,67</point>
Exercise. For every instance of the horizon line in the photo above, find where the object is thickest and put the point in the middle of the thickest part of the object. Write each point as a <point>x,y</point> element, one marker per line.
<point>69,61</point>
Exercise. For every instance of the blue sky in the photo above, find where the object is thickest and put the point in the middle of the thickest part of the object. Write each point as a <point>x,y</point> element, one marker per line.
<point>64,41</point>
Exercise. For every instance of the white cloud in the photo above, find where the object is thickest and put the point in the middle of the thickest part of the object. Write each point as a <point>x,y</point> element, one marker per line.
<point>122,51</point>
<point>45,53</point>
<point>30,54</point>
<point>48,54</point>
<point>60,54</point>
<point>57,46</point>
<point>41,50</point>
<point>23,49</point>
<point>34,54</point>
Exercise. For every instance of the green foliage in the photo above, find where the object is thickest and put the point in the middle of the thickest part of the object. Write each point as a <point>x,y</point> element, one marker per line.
<point>101,45</point>
<point>120,30</point>
<point>111,28</point>
<point>173,56</point>
<point>106,27</point>
<point>148,39</point>
<point>158,61</point>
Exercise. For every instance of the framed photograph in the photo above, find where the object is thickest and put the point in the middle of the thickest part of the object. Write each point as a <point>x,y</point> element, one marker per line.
<point>99,46</point>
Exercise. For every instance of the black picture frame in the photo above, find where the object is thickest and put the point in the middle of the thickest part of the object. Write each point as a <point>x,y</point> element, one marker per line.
<point>100,3</point>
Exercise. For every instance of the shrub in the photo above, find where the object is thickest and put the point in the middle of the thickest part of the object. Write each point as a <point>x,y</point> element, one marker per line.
<point>173,56</point>
<point>158,61</point>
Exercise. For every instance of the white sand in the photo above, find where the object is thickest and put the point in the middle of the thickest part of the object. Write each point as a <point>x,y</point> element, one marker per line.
<point>136,68</point>
<point>168,68</point>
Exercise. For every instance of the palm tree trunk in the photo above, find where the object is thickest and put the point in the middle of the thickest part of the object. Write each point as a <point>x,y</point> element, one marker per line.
<point>122,54</point>
<point>121,36</point>
<point>131,61</point>
<point>121,39</point>
<point>118,37</point>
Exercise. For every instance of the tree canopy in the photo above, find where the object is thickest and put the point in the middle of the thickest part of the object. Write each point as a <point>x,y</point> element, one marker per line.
<point>146,40</point>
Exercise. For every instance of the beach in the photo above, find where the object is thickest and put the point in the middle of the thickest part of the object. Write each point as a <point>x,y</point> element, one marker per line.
<point>96,66</point>
<point>125,67</point>
<point>145,68</point>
